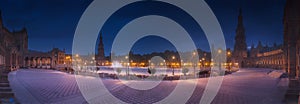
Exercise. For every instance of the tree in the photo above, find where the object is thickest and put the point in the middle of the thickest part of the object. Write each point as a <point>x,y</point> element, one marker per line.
<point>185,70</point>
<point>119,70</point>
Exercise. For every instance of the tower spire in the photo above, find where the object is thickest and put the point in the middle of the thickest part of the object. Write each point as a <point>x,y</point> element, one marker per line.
<point>240,20</point>
<point>100,55</point>
<point>240,46</point>
<point>101,38</point>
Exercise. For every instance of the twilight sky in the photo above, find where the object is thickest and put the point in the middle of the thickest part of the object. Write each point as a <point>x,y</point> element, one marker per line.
<point>52,23</point>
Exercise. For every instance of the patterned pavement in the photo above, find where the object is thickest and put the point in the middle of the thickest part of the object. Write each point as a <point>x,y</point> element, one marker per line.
<point>248,86</point>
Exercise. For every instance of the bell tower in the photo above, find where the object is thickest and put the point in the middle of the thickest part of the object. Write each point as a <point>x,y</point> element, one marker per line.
<point>240,46</point>
<point>100,55</point>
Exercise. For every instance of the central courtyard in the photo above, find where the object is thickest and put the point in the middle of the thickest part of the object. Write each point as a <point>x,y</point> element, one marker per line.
<point>247,86</point>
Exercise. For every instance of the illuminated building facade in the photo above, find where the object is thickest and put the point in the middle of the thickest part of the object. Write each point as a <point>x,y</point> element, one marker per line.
<point>256,57</point>
<point>55,58</point>
<point>266,57</point>
<point>13,47</point>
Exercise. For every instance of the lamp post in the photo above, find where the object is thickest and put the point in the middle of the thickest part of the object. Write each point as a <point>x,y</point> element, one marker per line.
<point>181,63</point>
<point>173,58</point>
<point>149,64</point>
<point>219,53</point>
<point>203,62</point>
<point>200,64</point>
<point>127,70</point>
<point>165,63</point>
<point>228,56</point>
<point>194,64</point>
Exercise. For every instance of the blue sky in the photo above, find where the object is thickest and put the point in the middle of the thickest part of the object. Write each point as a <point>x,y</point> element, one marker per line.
<point>52,23</point>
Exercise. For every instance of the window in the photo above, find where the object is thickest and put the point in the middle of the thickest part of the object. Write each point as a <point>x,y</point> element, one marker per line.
<point>1,63</point>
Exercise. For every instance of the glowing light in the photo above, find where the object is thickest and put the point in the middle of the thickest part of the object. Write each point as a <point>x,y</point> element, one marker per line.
<point>173,57</point>
<point>219,51</point>
<point>68,57</point>
<point>142,64</point>
<point>116,64</point>
<point>228,53</point>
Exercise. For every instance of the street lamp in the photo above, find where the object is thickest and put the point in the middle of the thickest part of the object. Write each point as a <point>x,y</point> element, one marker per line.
<point>127,71</point>
<point>149,63</point>
<point>203,60</point>
<point>200,64</point>
<point>228,53</point>
<point>194,54</point>
<point>230,66</point>
<point>181,63</point>
<point>219,53</point>
<point>173,57</point>
<point>131,63</point>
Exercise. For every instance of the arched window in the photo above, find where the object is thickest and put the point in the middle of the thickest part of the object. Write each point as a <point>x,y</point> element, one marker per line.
<point>1,60</point>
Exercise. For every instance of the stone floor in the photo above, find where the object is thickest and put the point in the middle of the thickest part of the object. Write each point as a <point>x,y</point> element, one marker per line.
<point>6,94</point>
<point>292,95</point>
<point>247,86</point>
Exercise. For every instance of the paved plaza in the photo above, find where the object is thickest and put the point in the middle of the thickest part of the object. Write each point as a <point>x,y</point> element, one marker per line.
<point>247,86</point>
